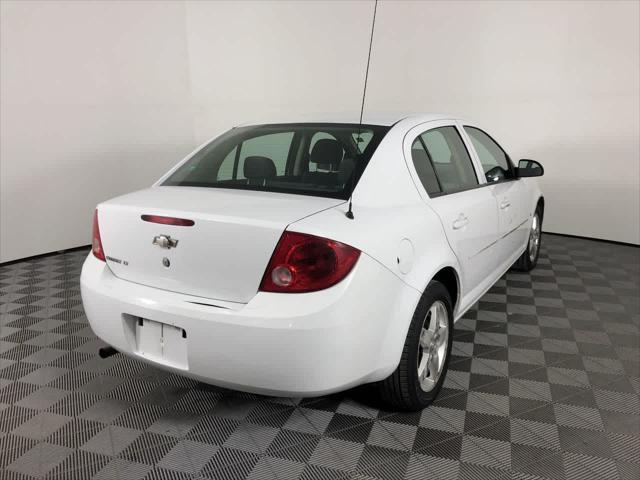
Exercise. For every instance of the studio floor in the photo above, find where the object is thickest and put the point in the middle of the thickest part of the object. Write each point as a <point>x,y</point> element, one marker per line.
<point>543,383</point>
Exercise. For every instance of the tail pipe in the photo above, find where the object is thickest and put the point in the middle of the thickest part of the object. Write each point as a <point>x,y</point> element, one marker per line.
<point>106,352</point>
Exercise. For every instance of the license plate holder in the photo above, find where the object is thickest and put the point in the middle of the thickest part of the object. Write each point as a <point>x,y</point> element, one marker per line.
<point>161,343</point>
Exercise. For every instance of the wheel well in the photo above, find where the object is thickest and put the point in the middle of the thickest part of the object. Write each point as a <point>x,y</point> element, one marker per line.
<point>541,205</point>
<point>448,277</point>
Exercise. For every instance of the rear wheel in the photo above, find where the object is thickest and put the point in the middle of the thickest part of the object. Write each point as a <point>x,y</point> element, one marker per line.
<point>425,356</point>
<point>529,259</point>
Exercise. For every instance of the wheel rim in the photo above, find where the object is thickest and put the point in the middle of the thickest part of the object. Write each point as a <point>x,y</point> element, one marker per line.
<point>534,238</point>
<point>433,345</point>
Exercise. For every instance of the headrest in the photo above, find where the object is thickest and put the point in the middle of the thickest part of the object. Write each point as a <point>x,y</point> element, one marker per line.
<point>327,153</point>
<point>259,167</point>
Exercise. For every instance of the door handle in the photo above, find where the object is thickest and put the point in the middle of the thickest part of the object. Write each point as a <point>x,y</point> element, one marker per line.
<point>460,222</point>
<point>505,204</point>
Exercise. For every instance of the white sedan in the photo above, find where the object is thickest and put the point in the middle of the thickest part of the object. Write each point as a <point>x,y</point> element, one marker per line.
<point>307,258</point>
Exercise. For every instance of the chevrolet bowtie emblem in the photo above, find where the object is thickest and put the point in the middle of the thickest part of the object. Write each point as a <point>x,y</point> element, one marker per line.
<point>165,241</point>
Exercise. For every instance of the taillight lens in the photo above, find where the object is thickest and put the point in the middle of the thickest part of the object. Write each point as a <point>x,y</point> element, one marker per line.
<point>96,242</point>
<point>306,263</point>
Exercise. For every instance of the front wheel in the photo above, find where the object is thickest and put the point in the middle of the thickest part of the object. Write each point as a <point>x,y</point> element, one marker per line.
<point>425,356</point>
<point>529,259</point>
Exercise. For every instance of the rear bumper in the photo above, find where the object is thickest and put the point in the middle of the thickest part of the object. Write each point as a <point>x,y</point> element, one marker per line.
<point>277,344</point>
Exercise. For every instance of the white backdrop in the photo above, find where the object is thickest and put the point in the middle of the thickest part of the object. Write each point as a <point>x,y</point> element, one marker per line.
<point>100,98</point>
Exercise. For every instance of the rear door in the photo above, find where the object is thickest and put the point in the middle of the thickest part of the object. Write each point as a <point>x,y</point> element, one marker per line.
<point>467,211</point>
<point>510,193</point>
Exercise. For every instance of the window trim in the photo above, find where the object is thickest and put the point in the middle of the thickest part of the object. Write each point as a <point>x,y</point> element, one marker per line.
<point>509,161</point>
<point>442,193</point>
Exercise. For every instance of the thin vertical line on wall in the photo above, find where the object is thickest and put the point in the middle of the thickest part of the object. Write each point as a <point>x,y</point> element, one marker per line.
<point>192,98</point>
<point>349,213</point>
<point>366,74</point>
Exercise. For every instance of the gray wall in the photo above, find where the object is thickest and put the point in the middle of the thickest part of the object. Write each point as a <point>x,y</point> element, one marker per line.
<point>100,98</point>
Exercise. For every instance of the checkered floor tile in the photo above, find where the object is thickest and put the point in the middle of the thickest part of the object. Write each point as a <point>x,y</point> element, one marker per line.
<point>544,383</point>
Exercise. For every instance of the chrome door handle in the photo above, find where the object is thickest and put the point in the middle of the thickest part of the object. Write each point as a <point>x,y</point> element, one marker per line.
<point>505,204</point>
<point>460,222</point>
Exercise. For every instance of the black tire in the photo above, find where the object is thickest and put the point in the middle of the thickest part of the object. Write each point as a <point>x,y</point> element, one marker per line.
<point>401,389</point>
<point>526,263</point>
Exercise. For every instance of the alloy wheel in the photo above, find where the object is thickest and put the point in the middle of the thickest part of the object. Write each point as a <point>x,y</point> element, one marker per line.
<point>534,238</point>
<point>433,345</point>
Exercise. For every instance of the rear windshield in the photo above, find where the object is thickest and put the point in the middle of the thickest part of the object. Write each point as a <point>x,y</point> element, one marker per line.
<point>310,159</point>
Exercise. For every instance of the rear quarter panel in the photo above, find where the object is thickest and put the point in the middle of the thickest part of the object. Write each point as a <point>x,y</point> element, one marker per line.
<point>392,223</point>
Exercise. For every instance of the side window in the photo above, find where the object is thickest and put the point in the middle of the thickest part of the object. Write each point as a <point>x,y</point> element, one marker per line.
<point>274,146</point>
<point>225,172</point>
<point>424,168</point>
<point>495,163</point>
<point>450,159</point>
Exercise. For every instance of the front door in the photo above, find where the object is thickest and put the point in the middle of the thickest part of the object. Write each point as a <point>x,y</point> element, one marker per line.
<point>510,193</point>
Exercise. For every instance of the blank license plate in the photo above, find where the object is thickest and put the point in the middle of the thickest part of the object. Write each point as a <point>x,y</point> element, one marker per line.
<point>162,343</point>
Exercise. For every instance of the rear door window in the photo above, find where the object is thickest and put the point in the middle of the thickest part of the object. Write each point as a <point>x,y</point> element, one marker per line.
<point>450,159</point>
<point>424,168</point>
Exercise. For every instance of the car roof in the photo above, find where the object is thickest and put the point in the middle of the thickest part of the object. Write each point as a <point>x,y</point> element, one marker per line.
<point>384,119</point>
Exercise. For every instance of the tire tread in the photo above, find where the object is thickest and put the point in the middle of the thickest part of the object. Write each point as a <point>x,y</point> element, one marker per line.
<point>398,390</point>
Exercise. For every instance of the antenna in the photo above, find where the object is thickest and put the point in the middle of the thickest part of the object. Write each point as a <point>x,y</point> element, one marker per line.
<point>349,213</point>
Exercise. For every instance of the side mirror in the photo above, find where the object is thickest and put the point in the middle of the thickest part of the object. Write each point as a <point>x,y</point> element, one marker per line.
<point>529,168</point>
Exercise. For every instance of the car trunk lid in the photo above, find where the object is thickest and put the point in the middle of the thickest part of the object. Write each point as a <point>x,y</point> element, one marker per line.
<point>221,256</point>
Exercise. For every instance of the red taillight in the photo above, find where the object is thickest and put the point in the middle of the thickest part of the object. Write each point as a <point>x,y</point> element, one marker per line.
<point>180,222</point>
<point>96,243</point>
<point>306,263</point>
